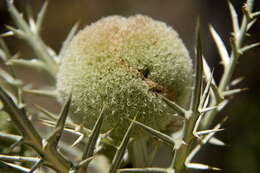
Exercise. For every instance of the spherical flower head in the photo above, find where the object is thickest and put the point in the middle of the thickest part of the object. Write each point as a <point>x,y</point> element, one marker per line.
<point>125,63</point>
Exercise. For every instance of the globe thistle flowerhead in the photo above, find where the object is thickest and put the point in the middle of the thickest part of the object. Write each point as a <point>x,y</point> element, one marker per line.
<point>125,63</point>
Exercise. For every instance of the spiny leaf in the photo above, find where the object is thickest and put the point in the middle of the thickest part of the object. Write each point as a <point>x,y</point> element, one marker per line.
<point>207,71</point>
<point>204,110</point>
<point>201,166</point>
<point>93,139</point>
<point>216,141</point>
<point>17,32</point>
<point>234,17</point>
<point>203,141</point>
<point>165,138</point>
<point>237,81</point>
<point>198,72</point>
<point>94,136</point>
<point>233,91</point>
<point>85,162</point>
<point>36,165</point>
<point>41,16</point>
<point>20,119</point>
<point>9,137</point>
<point>9,158</point>
<point>17,143</point>
<point>121,150</point>
<point>255,14</point>
<point>205,132</point>
<point>9,79</point>
<point>56,135</point>
<point>249,47</point>
<point>47,93</point>
<point>33,64</point>
<point>39,47</point>
<point>219,97</point>
<point>46,112</point>
<point>179,110</point>
<point>79,139</point>
<point>69,38</point>
<point>18,168</point>
<point>220,46</point>
<point>251,23</point>
<point>206,92</point>
<point>16,16</point>
<point>7,34</point>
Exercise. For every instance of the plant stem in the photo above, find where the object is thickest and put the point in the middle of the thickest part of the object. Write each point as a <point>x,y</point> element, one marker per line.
<point>229,71</point>
<point>181,154</point>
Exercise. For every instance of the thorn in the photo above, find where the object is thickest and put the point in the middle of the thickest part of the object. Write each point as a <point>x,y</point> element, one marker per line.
<point>93,139</point>
<point>79,139</point>
<point>201,166</point>
<point>41,16</point>
<point>47,93</point>
<point>197,82</point>
<point>19,33</point>
<point>16,167</point>
<point>7,34</point>
<point>54,138</point>
<point>222,50</point>
<point>85,162</point>
<point>205,132</point>
<point>36,165</point>
<point>163,137</point>
<point>179,110</point>
<point>46,112</point>
<point>17,143</point>
<point>249,47</point>
<point>237,81</point>
<point>216,141</point>
<point>121,149</point>
<point>204,110</point>
<point>234,91</point>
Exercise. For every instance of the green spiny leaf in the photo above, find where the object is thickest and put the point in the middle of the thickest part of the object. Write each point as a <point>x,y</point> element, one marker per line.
<point>220,46</point>
<point>18,116</point>
<point>233,91</point>
<point>93,139</point>
<point>13,167</point>
<point>201,166</point>
<point>249,47</point>
<point>121,150</point>
<point>234,17</point>
<point>8,158</point>
<point>9,137</point>
<point>165,138</point>
<point>41,16</point>
<point>47,93</point>
<point>69,38</point>
<point>198,72</point>
<point>216,141</point>
<point>180,111</point>
<point>56,135</point>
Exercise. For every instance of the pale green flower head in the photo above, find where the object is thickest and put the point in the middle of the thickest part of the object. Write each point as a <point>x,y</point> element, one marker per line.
<point>125,63</point>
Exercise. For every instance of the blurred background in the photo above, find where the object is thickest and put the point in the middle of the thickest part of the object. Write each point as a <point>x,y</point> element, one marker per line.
<point>242,132</point>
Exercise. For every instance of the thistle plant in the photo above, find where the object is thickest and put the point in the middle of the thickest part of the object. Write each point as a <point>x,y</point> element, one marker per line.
<point>123,83</point>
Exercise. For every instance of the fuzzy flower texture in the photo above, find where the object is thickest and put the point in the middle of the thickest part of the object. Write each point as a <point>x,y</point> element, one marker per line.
<point>125,63</point>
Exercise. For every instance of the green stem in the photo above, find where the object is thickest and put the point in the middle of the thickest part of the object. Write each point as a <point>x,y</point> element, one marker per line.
<point>181,154</point>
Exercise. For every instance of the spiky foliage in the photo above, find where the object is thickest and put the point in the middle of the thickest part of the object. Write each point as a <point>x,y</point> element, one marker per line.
<point>208,98</point>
